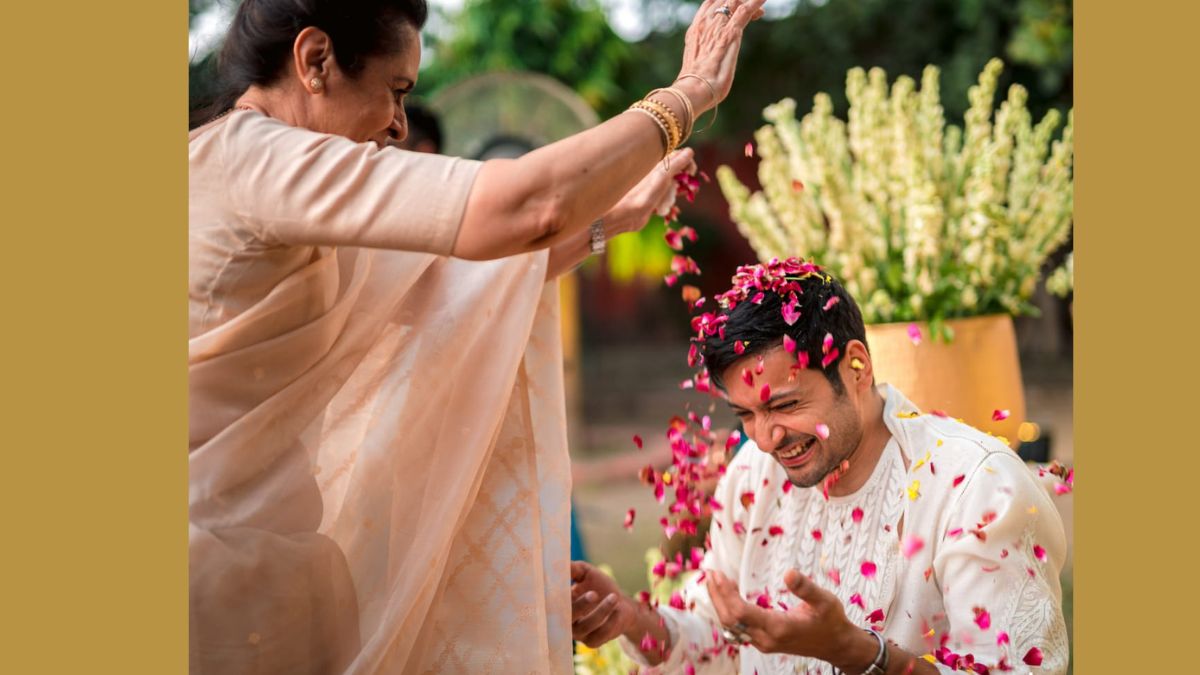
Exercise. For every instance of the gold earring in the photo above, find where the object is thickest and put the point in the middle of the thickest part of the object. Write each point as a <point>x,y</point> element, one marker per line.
<point>317,84</point>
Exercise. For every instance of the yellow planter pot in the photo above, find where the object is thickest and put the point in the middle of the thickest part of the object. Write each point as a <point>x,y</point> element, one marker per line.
<point>977,373</point>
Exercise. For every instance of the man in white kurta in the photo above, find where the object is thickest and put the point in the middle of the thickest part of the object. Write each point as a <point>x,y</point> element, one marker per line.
<point>852,530</point>
<point>942,478</point>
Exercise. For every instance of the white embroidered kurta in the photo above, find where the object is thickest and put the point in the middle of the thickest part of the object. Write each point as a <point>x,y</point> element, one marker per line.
<point>992,542</point>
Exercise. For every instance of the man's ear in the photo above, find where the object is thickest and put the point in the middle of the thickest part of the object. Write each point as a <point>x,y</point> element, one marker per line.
<point>859,372</point>
<point>312,58</point>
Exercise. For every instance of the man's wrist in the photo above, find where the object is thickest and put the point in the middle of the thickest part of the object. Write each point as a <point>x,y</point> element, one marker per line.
<point>854,651</point>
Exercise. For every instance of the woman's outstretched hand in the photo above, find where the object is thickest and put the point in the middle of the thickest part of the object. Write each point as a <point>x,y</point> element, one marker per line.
<point>710,48</point>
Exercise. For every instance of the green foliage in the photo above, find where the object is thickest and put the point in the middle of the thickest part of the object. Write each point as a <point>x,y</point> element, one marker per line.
<point>568,40</point>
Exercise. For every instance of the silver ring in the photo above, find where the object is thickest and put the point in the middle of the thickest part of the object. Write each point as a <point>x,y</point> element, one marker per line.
<point>724,9</point>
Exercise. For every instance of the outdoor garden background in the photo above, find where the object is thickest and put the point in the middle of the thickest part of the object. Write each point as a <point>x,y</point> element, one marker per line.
<point>626,330</point>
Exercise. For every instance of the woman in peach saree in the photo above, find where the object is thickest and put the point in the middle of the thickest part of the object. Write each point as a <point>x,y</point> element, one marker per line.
<point>378,467</point>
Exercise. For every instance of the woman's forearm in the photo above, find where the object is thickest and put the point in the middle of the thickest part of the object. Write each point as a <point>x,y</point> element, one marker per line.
<point>553,193</point>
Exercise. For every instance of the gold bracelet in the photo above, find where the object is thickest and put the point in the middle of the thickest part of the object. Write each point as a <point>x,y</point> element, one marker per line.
<point>686,102</point>
<point>662,126</point>
<point>674,126</point>
<point>665,118</point>
<point>711,90</point>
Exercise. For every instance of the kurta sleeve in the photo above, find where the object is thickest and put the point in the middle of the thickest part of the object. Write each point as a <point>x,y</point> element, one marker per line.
<point>998,562</point>
<point>296,187</point>
<point>694,631</point>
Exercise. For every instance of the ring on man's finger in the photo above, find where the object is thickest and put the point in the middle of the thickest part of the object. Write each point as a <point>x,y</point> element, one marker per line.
<point>736,633</point>
<point>724,9</point>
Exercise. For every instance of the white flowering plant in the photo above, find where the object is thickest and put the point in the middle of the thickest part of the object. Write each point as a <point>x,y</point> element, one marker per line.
<point>921,220</point>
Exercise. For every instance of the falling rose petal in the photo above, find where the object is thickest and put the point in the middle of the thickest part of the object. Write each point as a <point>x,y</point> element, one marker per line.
<point>1033,657</point>
<point>1001,638</point>
<point>763,600</point>
<point>637,440</point>
<point>677,601</point>
<point>958,479</point>
<point>982,618</point>
<point>914,333</point>
<point>876,616</point>
<point>791,311</point>
<point>764,394</point>
<point>802,359</point>
<point>1039,553</point>
<point>827,343</point>
<point>789,345</point>
<point>999,415</point>
<point>749,149</point>
<point>674,239</point>
<point>1061,488</point>
<point>856,599</point>
<point>775,530</point>
<point>671,279</point>
<point>830,303</point>
<point>747,377</point>
<point>910,545</point>
<point>649,644</point>
<point>629,516</point>
<point>868,569</point>
<point>739,347</point>
<point>797,186</point>
<point>734,439</point>
<point>830,358</point>
<point>856,515</point>
<point>758,299</point>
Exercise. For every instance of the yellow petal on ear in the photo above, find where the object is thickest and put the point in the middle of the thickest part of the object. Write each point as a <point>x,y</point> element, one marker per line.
<point>929,658</point>
<point>930,633</point>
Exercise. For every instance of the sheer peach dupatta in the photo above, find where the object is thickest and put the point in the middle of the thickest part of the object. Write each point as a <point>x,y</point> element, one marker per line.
<point>379,479</point>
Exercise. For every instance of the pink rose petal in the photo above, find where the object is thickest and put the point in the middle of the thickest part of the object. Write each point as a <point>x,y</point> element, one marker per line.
<point>747,377</point>
<point>802,359</point>
<point>1033,657</point>
<point>749,149</point>
<point>676,601</point>
<point>789,345</point>
<point>827,343</point>
<point>830,358</point>
<point>822,431</point>
<point>764,394</point>
<point>787,487</point>
<point>1001,638</point>
<point>999,415</point>
<point>856,515</point>
<point>856,599</point>
<point>775,530</point>
<point>957,480</point>
<point>629,515</point>
<point>868,569</point>
<point>739,347</point>
<point>816,534</point>
<point>876,616</point>
<point>649,644</point>
<point>835,575</point>
<point>910,545</point>
<point>830,303</point>
<point>637,440</point>
<point>982,618</point>
<point>1039,553</point>
<point>914,333</point>
<point>763,600</point>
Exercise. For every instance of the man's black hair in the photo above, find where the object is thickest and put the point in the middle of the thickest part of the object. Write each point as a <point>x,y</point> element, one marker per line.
<point>762,327</point>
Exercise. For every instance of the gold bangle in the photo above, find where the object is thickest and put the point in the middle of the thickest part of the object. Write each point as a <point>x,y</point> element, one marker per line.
<point>665,118</point>
<point>689,111</point>
<point>711,90</point>
<point>673,120</point>
<point>662,126</point>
